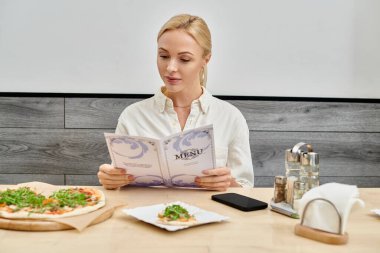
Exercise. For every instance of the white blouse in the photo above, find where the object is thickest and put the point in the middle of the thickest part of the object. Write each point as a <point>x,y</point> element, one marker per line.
<point>155,118</point>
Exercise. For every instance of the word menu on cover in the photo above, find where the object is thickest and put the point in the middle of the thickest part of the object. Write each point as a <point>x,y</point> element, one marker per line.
<point>173,161</point>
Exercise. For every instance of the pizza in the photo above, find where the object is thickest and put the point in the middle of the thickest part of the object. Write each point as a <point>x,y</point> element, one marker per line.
<point>25,203</point>
<point>176,215</point>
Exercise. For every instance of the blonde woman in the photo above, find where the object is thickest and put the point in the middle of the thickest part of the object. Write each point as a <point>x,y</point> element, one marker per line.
<point>184,49</point>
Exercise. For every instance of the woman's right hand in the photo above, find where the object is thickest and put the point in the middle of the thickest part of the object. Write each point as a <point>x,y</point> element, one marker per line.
<point>111,177</point>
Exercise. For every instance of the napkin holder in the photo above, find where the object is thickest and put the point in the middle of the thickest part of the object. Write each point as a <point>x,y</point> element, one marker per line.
<point>320,235</point>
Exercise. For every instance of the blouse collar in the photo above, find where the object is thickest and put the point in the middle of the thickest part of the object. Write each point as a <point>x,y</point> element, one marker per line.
<point>163,102</point>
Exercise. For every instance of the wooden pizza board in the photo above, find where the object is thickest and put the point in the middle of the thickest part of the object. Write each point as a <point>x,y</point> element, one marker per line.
<point>45,225</point>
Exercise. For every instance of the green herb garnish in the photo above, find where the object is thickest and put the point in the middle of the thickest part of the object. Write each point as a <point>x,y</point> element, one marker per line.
<point>24,197</point>
<point>21,197</point>
<point>68,197</point>
<point>175,212</point>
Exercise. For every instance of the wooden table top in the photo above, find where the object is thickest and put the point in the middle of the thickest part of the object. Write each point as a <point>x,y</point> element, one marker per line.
<point>257,231</point>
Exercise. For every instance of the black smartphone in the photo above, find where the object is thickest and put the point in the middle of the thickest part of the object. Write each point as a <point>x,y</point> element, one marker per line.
<point>240,202</point>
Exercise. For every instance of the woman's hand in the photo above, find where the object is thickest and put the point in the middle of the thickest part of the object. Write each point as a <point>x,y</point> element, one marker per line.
<point>112,178</point>
<point>218,179</point>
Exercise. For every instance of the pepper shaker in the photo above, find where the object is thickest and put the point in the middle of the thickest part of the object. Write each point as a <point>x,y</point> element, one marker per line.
<point>279,189</point>
<point>309,169</point>
<point>299,189</point>
<point>292,166</point>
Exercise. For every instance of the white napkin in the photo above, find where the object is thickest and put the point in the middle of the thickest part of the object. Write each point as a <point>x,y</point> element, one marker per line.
<point>321,215</point>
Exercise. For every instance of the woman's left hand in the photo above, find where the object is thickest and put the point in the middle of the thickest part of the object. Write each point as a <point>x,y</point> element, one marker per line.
<point>218,179</point>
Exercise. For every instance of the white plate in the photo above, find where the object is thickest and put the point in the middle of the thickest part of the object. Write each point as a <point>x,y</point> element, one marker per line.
<point>149,214</point>
<point>376,211</point>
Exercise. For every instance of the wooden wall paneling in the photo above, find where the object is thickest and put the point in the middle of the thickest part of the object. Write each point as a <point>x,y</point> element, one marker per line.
<point>22,178</point>
<point>260,181</point>
<point>52,151</point>
<point>341,154</point>
<point>310,116</point>
<point>91,179</point>
<point>369,182</point>
<point>94,112</point>
<point>60,140</point>
<point>80,152</point>
<point>260,115</point>
<point>33,112</point>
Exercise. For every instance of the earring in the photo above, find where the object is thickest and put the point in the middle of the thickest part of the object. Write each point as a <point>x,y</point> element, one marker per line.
<point>202,76</point>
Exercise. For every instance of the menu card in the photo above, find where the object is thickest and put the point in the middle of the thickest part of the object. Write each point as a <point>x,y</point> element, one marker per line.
<point>173,161</point>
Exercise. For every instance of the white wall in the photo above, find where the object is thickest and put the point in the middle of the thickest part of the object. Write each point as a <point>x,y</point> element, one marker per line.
<point>324,48</point>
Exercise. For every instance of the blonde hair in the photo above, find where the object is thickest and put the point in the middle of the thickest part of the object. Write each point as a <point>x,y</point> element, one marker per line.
<point>197,28</point>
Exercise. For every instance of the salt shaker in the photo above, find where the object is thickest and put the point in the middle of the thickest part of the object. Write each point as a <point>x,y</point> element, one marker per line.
<point>309,169</point>
<point>299,188</point>
<point>279,189</point>
<point>292,166</point>
<point>292,163</point>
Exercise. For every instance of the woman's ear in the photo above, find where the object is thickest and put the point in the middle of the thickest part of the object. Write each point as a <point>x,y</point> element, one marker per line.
<point>207,58</point>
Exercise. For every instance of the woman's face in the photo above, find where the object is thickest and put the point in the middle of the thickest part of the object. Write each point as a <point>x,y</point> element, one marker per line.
<point>180,61</point>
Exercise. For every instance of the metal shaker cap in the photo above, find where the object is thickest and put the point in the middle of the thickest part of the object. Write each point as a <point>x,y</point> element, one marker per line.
<point>310,158</point>
<point>293,154</point>
<point>280,180</point>
<point>298,147</point>
<point>291,157</point>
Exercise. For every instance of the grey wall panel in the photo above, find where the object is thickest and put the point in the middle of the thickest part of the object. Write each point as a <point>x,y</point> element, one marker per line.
<point>91,179</point>
<point>32,112</point>
<point>22,178</point>
<point>341,154</point>
<point>310,116</point>
<point>260,115</point>
<point>52,151</point>
<point>35,143</point>
<point>78,152</point>
<point>369,182</point>
<point>94,112</point>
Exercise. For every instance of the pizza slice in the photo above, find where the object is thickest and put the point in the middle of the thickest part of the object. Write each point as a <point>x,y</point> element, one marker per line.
<point>176,215</point>
<point>24,203</point>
